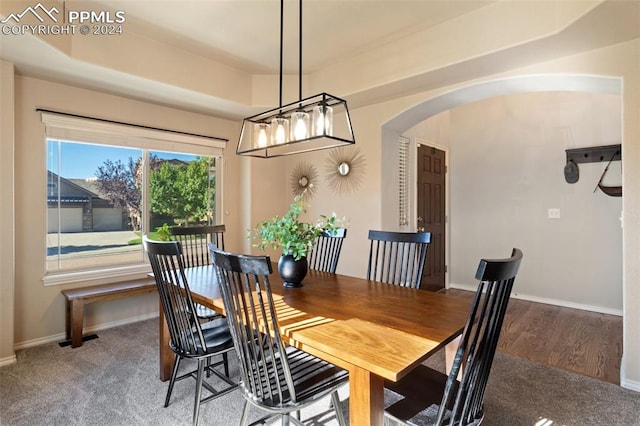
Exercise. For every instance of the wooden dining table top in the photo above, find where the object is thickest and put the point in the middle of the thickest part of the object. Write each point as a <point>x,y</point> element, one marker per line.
<point>385,328</point>
<point>376,331</point>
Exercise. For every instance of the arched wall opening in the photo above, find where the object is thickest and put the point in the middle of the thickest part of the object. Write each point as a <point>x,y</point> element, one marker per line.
<point>555,250</point>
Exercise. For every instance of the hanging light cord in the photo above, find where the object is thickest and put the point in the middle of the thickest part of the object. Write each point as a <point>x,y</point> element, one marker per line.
<point>300,56</point>
<point>281,36</point>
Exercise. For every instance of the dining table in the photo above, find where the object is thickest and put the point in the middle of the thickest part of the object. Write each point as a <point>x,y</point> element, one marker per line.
<point>375,331</point>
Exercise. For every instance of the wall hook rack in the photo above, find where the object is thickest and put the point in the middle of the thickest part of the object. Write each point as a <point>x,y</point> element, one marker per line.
<point>594,154</point>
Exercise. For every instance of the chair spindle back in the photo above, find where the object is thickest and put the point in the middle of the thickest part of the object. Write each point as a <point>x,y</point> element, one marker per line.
<point>251,312</point>
<point>479,340</point>
<point>397,257</point>
<point>194,240</point>
<point>167,265</point>
<point>325,254</point>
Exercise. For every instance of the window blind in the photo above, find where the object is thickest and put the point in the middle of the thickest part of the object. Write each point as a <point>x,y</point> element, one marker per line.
<point>81,129</point>
<point>403,184</point>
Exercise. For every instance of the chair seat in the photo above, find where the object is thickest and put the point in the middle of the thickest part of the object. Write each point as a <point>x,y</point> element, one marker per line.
<point>217,337</point>
<point>415,399</point>
<point>216,334</point>
<point>312,377</point>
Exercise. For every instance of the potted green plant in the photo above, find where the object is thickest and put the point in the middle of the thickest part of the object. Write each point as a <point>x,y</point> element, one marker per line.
<point>294,237</point>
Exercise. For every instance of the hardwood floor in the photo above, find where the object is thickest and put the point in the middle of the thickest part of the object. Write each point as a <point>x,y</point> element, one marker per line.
<point>583,342</point>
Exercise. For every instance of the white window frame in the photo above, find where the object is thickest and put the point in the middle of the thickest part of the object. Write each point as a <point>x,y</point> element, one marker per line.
<point>102,132</point>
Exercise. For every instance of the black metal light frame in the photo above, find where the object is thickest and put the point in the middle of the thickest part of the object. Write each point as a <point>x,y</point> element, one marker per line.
<point>340,133</point>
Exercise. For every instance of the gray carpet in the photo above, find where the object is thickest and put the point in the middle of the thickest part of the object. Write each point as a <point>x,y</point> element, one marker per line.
<point>113,381</point>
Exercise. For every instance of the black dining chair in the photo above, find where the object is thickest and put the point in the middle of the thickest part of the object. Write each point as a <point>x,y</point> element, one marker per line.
<point>277,378</point>
<point>428,397</point>
<point>194,240</point>
<point>397,257</point>
<point>187,338</point>
<point>325,253</point>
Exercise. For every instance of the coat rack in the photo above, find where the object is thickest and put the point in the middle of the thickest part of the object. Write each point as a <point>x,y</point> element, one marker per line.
<point>593,154</point>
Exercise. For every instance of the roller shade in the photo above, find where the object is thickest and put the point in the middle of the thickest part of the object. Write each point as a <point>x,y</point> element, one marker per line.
<point>85,129</point>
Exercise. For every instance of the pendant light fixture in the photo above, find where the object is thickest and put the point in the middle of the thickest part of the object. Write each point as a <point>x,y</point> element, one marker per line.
<point>310,124</point>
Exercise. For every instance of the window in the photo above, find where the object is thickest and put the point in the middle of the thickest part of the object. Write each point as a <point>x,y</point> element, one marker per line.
<point>106,188</point>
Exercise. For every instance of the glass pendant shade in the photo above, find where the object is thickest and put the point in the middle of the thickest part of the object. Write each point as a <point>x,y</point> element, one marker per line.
<point>299,126</point>
<point>317,122</point>
<point>279,131</point>
<point>262,134</point>
<point>322,120</point>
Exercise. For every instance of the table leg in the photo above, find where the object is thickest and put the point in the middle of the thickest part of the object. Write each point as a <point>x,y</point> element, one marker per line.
<point>366,398</point>
<point>166,355</point>
<point>67,319</point>
<point>450,353</point>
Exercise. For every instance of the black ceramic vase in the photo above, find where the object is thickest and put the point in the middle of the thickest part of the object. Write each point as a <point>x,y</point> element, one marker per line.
<point>292,271</point>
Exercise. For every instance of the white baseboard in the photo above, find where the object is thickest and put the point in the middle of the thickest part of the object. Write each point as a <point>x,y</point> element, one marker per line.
<point>546,301</point>
<point>633,385</point>
<point>630,384</point>
<point>62,336</point>
<point>8,360</point>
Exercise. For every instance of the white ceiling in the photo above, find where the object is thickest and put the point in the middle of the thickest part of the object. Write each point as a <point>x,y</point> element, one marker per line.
<point>244,34</point>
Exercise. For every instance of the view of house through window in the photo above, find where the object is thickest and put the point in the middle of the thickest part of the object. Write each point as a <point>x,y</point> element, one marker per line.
<point>102,198</point>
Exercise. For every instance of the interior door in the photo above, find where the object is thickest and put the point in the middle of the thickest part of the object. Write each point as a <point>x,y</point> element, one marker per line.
<point>431,213</point>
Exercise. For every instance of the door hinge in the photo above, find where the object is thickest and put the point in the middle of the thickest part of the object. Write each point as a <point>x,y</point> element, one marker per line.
<point>446,269</point>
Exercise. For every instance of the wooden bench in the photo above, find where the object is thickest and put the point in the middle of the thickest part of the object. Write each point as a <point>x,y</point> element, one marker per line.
<point>78,297</point>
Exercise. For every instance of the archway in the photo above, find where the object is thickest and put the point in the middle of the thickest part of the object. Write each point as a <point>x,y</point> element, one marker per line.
<point>395,127</point>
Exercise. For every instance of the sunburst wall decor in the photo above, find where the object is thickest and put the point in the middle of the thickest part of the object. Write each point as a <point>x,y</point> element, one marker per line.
<point>345,169</point>
<point>304,179</point>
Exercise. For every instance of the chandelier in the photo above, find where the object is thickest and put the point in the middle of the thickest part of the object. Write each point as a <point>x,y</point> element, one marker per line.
<point>317,122</point>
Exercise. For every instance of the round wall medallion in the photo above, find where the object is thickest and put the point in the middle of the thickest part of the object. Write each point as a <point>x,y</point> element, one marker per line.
<point>303,179</point>
<point>345,169</point>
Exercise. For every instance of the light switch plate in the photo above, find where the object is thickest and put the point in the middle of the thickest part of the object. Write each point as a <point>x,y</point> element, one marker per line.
<point>553,213</point>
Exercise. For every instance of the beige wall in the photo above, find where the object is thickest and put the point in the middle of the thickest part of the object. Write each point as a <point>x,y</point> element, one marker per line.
<point>265,177</point>
<point>39,310</point>
<point>506,169</point>
<point>630,368</point>
<point>7,277</point>
<point>506,156</point>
